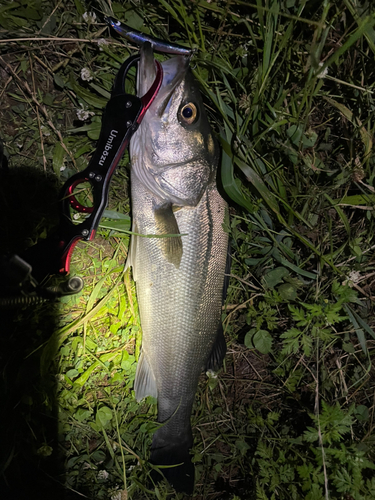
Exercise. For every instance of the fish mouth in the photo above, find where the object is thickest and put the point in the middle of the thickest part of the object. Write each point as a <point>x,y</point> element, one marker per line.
<point>174,71</point>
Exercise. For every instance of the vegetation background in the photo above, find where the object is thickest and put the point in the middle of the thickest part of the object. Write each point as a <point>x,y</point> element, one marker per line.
<point>289,87</point>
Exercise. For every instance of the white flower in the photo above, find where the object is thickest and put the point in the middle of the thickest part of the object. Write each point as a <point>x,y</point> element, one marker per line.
<point>323,73</point>
<point>86,74</point>
<point>103,474</point>
<point>86,465</point>
<point>102,42</point>
<point>62,168</point>
<point>211,374</point>
<point>89,17</point>
<point>83,114</point>
<point>353,278</point>
<point>119,495</point>
<point>45,131</point>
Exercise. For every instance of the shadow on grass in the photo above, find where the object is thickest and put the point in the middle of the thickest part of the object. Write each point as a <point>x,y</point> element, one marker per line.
<point>30,463</point>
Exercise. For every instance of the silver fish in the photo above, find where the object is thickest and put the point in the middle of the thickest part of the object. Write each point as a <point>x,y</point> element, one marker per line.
<point>179,278</point>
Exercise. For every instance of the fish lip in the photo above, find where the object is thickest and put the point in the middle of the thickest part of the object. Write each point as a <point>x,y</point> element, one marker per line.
<point>146,73</point>
<point>174,70</point>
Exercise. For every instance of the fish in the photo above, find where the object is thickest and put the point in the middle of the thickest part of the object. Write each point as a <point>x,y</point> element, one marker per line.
<point>179,272</point>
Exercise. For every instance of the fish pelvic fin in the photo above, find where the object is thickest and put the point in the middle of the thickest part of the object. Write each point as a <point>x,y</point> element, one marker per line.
<point>218,351</point>
<point>180,473</point>
<point>145,384</point>
<point>166,224</point>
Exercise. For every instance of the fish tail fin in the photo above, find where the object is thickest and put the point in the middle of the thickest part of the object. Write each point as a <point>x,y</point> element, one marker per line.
<point>175,454</point>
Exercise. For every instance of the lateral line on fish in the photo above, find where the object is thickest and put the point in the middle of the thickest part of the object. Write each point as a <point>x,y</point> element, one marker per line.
<point>157,235</point>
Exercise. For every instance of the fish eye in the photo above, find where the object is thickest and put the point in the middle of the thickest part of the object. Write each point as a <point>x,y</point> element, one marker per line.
<point>188,113</point>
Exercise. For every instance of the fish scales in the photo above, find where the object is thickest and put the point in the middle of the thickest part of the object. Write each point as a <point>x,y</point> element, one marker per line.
<point>180,308</point>
<point>179,297</point>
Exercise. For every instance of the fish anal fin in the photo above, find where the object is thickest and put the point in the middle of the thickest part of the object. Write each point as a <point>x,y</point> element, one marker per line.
<point>166,223</point>
<point>145,384</point>
<point>218,351</point>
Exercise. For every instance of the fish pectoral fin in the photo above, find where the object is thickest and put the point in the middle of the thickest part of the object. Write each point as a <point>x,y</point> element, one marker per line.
<point>145,383</point>
<point>218,351</point>
<point>166,224</point>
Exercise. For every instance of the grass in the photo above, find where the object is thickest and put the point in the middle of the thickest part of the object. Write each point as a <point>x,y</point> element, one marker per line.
<point>289,90</point>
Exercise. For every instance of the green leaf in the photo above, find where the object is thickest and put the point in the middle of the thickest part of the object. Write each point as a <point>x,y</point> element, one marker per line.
<point>348,347</point>
<point>309,139</point>
<point>80,7</point>
<point>293,267</point>
<point>298,314</point>
<point>84,377</point>
<point>294,132</point>
<point>365,135</point>
<point>118,226</point>
<point>356,199</point>
<point>341,214</point>
<point>262,341</point>
<point>86,95</point>
<point>248,341</point>
<point>98,456</point>
<point>92,129</point>
<point>134,20</point>
<point>12,5</point>
<point>274,277</point>
<point>72,373</point>
<point>101,91</point>
<point>362,413</point>
<point>58,158</point>
<point>104,416</point>
<point>287,291</point>
<point>113,214</point>
<point>358,330</point>
<point>242,446</point>
<point>120,222</point>
<point>227,177</point>
<point>258,183</point>
<point>58,81</point>
<point>28,13</point>
<point>82,414</point>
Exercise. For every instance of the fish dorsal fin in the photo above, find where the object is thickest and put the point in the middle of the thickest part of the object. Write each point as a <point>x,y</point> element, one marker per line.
<point>132,252</point>
<point>145,384</point>
<point>218,351</point>
<point>166,223</point>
